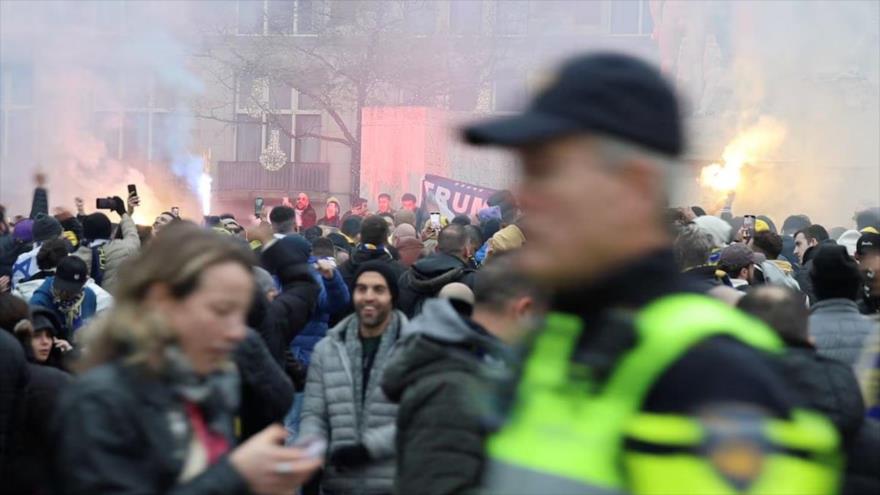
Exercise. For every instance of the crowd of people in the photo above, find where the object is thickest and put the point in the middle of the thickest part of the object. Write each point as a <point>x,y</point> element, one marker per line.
<point>642,349</point>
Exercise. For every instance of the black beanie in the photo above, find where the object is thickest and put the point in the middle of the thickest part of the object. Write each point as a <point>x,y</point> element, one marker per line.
<point>45,228</point>
<point>286,256</point>
<point>384,269</point>
<point>96,226</point>
<point>834,273</point>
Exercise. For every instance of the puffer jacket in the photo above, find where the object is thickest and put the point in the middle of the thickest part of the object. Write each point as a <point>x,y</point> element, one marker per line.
<point>441,374</point>
<point>779,272</point>
<point>333,410</point>
<point>427,276</point>
<point>333,297</point>
<point>839,330</point>
<point>116,252</point>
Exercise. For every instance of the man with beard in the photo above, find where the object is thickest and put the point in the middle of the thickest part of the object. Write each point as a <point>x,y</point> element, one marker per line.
<point>306,217</point>
<point>344,404</point>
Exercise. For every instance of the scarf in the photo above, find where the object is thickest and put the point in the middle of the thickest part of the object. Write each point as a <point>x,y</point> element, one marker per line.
<point>71,310</point>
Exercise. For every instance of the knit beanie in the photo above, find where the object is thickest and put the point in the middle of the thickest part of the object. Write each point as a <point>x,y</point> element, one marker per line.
<point>387,273</point>
<point>834,273</point>
<point>45,228</point>
<point>23,231</point>
<point>97,226</point>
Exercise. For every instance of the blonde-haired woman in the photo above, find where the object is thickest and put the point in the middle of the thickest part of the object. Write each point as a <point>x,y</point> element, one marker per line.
<point>153,411</point>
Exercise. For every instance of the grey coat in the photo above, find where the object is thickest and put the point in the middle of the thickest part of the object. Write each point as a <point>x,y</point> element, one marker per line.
<point>332,408</point>
<point>838,330</point>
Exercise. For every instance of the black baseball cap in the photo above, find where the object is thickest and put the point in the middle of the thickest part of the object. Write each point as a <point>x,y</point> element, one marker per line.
<point>605,93</point>
<point>71,275</point>
<point>869,241</point>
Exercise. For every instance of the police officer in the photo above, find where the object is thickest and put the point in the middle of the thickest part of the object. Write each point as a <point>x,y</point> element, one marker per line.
<point>635,384</point>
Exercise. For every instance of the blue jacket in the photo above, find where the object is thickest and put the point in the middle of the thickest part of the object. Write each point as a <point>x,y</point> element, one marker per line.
<point>43,297</point>
<point>333,298</point>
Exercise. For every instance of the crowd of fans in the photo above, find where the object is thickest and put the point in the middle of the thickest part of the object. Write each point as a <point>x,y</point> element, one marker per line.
<point>408,354</point>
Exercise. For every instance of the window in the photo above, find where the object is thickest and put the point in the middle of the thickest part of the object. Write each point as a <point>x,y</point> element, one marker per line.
<point>279,16</point>
<point>510,91</point>
<point>420,17</point>
<point>308,149</point>
<point>280,97</point>
<point>304,102</point>
<point>465,16</point>
<point>248,137</point>
<point>250,16</point>
<point>305,17</point>
<point>246,91</point>
<point>631,17</point>
<point>512,17</point>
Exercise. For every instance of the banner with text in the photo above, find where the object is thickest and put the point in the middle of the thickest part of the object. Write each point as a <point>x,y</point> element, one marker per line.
<point>453,197</point>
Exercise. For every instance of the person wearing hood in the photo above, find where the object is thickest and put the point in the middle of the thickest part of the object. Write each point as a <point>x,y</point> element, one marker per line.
<point>27,469</point>
<point>428,275</point>
<point>287,259</point>
<point>102,253</point>
<point>14,244</point>
<point>344,404</point>
<point>67,296</point>
<point>373,237</point>
<point>331,214</point>
<point>806,242</point>
<point>838,329</point>
<point>443,371</point>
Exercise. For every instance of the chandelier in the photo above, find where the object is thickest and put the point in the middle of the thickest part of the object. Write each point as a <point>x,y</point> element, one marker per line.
<point>273,158</point>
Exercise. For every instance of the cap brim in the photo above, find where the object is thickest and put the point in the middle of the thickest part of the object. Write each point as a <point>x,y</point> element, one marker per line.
<point>520,130</point>
<point>66,286</point>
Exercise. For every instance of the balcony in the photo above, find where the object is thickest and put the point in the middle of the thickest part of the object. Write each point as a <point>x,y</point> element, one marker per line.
<point>247,180</point>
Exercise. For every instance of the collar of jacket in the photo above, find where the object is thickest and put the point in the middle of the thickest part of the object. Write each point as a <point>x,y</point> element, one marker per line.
<point>835,305</point>
<point>630,286</point>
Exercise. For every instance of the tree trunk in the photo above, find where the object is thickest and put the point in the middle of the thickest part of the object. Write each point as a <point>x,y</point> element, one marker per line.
<point>355,163</point>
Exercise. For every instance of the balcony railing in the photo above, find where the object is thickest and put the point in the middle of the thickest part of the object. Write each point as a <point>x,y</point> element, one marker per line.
<point>251,177</point>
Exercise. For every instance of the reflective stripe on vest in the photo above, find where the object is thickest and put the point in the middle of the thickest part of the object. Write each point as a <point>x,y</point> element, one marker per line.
<point>559,428</point>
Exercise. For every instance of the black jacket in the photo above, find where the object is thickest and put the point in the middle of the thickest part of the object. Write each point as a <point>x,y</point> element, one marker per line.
<point>291,310</point>
<point>438,376</point>
<point>803,275</point>
<point>427,276</point>
<point>113,435</point>
<point>828,386</point>
<point>266,391</point>
<point>10,250</point>
<point>32,446</point>
<point>14,377</point>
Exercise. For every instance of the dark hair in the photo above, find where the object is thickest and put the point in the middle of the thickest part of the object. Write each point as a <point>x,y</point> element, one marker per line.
<point>323,248</point>
<point>51,253</point>
<point>768,243</point>
<point>692,247</point>
<point>698,211</point>
<point>462,220</point>
<point>358,202</point>
<point>868,218</point>
<point>474,235</point>
<point>374,230</point>
<point>490,227</point>
<point>12,310</point>
<point>783,309</point>
<point>499,281</point>
<point>795,223</point>
<point>408,197</point>
<point>732,270</point>
<point>351,226</point>
<point>814,232</point>
<point>313,233</point>
<point>452,240</point>
<point>281,214</point>
<point>226,216</point>
<point>385,195</point>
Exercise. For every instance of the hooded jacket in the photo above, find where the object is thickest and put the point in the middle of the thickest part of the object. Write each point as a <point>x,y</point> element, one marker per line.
<point>44,297</point>
<point>779,272</point>
<point>333,410</point>
<point>427,276</point>
<point>116,251</point>
<point>290,311</point>
<point>803,275</point>
<point>438,374</point>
